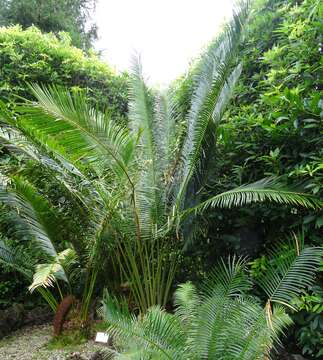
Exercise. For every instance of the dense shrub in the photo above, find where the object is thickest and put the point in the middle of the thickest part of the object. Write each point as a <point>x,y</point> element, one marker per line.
<point>29,56</point>
<point>72,16</point>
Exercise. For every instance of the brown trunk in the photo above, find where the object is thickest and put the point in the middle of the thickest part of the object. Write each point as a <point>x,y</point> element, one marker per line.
<point>61,313</point>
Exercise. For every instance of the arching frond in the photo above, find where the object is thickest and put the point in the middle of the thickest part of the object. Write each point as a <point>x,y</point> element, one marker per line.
<point>33,210</point>
<point>213,331</point>
<point>293,268</point>
<point>264,190</point>
<point>64,172</point>
<point>46,275</point>
<point>157,333</point>
<point>66,123</point>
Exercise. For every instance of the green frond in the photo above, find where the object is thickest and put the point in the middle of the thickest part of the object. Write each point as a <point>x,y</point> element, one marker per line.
<point>142,124</point>
<point>17,260</point>
<point>186,300</point>
<point>267,189</point>
<point>66,123</point>
<point>212,331</point>
<point>71,171</point>
<point>33,210</point>
<point>152,334</point>
<point>16,143</point>
<point>226,94</point>
<point>157,333</point>
<point>65,172</point>
<point>165,119</point>
<point>228,278</point>
<point>66,258</point>
<point>213,85</point>
<point>291,270</point>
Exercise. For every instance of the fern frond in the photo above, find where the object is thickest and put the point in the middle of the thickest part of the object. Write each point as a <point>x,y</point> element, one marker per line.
<point>17,260</point>
<point>142,124</point>
<point>155,333</point>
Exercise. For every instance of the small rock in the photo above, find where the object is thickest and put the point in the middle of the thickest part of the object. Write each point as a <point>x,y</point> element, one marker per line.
<point>298,357</point>
<point>11,319</point>
<point>75,356</point>
<point>97,356</point>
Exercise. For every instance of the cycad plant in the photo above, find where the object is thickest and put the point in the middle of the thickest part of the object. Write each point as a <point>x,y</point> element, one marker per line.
<point>221,320</point>
<point>141,184</point>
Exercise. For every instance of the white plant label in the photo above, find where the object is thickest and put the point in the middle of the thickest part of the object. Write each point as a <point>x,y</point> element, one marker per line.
<point>102,337</point>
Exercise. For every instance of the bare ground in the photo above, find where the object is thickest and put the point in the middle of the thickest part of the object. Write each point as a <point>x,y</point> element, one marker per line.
<point>30,343</point>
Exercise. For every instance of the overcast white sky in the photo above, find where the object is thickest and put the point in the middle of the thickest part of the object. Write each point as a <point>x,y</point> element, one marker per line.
<point>167,33</point>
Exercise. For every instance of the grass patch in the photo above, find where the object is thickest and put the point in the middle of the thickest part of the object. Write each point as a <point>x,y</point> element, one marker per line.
<point>68,339</point>
<point>99,326</point>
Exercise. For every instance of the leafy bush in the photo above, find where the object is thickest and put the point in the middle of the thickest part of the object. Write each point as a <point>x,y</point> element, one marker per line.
<point>274,124</point>
<point>52,16</point>
<point>309,321</point>
<point>29,56</point>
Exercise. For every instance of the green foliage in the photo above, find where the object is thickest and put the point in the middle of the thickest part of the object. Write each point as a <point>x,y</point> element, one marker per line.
<point>307,331</point>
<point>309,321</point>
<point>222,321</point>
<point>29,56</point>
<point>138,203</point>
<point>274,127</point>
<point>52,16</point>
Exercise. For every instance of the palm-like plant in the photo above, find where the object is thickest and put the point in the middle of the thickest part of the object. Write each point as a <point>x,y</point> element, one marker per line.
<point>36,215</point>
<point>222,321</point>
<point>139,184</point>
